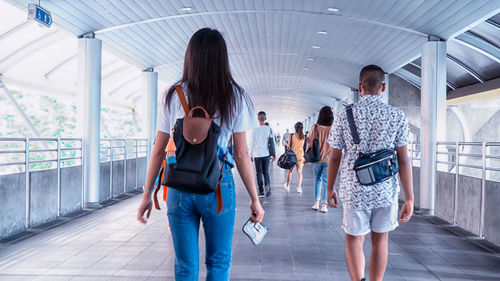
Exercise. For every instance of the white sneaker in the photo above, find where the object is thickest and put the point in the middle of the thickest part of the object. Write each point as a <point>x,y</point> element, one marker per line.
<point>299,190</point>
<point>287,187</point>
<point>324,208</point>
<point>315,207</point>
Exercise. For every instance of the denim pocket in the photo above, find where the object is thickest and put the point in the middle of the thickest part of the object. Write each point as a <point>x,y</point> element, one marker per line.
<point>174,197</point>
<point>227,190</point>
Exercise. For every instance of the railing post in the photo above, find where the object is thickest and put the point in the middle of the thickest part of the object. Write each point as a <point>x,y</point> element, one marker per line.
<point>124,166</point>
<point>82,157</point>
<point>27,183</point>
<point>111,168</point>
<point>457,173</point>
<point>411,154</point>
<point>59,177</point>
<point>483,187</point>
<point>136,163</point>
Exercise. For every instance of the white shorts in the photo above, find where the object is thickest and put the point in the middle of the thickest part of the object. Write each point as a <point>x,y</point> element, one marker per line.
<point>380,220</point>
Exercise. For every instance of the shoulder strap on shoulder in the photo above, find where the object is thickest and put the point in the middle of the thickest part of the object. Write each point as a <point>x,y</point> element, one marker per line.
<point>182,99</point>
<point>352,125</point>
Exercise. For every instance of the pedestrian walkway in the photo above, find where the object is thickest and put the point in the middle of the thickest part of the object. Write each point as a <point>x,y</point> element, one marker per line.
<point>302,244</point>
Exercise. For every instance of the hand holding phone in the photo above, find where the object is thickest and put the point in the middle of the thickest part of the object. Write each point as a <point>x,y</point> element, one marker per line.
<point>255,231</point>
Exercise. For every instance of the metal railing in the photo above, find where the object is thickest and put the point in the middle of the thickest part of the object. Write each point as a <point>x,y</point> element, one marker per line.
<point>474,159</point>
<point>33,157</point>
<point>34,154</point>
<point>121,149</point>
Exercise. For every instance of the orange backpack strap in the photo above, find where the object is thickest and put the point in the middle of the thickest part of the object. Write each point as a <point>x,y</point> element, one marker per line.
<point>155,194</point>
<point>182,98</point>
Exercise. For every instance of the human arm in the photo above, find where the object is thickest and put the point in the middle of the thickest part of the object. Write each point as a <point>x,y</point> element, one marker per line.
<point>152,173</point>
<point>242,161</point>
<point>406,181</point>
<point>333,168</point>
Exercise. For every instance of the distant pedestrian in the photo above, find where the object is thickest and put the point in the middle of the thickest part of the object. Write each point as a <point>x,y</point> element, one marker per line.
<point>286,135</point>
<point>321,131</point>
<point>261,155</point>
<point>297,141</point>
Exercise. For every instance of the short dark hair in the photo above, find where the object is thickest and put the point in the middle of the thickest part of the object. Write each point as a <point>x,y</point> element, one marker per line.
<point>325,117</point>
<point>371,78</point>
<point>261,113</point>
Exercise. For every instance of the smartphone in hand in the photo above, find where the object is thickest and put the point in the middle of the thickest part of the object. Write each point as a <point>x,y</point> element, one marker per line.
<point>255,231</point>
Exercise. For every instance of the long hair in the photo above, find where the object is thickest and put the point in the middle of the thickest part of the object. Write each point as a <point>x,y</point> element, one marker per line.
<point>299,129</point>
<point>325,117</point>
<point>207,76</point>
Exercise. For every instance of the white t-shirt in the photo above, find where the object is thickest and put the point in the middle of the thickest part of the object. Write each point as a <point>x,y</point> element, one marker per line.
<point>259,141</point>
<point>243,120</point>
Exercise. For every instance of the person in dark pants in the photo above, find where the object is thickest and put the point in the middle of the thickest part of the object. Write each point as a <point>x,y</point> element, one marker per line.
<point>260,154</point>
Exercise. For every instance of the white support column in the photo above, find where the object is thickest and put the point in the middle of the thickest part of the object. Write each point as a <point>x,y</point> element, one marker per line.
<point>354,96</point>
<point>89,93</point>
<point>385,94</point>
<point>433,114</point>
<point>150,93</point>
<point>336,107</point>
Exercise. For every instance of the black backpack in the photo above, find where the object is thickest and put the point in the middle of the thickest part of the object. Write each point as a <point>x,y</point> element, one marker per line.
<point>193,163</point>
<point>270,144</point>
<point>313,154</point>
<point>288,159</point>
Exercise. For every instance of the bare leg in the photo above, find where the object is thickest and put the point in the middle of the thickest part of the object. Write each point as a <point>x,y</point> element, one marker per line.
<point>299,176</point>
<point>355,258</point>
<point>378,258</point>
<point>289,177</point>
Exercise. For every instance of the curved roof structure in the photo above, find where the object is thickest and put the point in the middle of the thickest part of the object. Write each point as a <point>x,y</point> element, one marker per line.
<point>291,56</point>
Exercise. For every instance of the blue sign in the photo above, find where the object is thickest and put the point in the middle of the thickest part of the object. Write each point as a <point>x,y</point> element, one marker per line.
<point>43,16</point>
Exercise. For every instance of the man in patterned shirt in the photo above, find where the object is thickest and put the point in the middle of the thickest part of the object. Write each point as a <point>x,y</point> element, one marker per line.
<point>369,209</point>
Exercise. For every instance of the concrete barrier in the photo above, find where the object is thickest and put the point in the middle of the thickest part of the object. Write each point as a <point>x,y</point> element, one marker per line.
<point>44,193</point>
<point>105,181</point>
<point>71,190</point>
<point>118,179</point>
<point>492,211</point>
<point>43,196</point>
<point>12,213</point>
<point>469,203</point>
<point>143,166</point>
<point>131,174</point>
<point>445,192</point>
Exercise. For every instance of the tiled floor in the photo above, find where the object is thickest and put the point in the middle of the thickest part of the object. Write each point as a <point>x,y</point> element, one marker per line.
<point>109,244</point>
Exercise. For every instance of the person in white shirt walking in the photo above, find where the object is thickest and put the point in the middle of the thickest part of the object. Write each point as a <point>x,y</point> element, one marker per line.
<point>262,139</point>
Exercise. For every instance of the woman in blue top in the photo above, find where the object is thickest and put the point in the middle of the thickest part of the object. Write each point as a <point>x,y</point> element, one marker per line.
<point>206,82</point>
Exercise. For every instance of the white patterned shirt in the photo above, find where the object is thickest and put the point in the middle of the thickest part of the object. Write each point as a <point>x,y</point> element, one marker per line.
<point>380,126</point>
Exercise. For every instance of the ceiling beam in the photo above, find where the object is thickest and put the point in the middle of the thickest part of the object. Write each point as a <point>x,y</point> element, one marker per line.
<point>463,66</point>
<point>409,77</point>
<point>448,83</point>
<point>357,19</point>
<point>477,43</point>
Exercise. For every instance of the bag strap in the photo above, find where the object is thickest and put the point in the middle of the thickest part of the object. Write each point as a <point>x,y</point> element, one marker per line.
<point>352,125</point>
<point>291,141</point>
<point>218,191</point>
<point>155,193</point>
<point>182,98</point>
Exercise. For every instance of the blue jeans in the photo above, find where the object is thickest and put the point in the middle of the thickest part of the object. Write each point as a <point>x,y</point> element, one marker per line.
<point>321,177</point>
<point>184,213</point>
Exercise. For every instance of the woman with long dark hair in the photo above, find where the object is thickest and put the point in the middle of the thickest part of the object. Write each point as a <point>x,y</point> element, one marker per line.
<point>206,82</point>
<point>297,146</point>
<point>321,130</point>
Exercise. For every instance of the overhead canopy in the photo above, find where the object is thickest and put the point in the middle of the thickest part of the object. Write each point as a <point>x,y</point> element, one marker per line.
<point>291,56</point>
